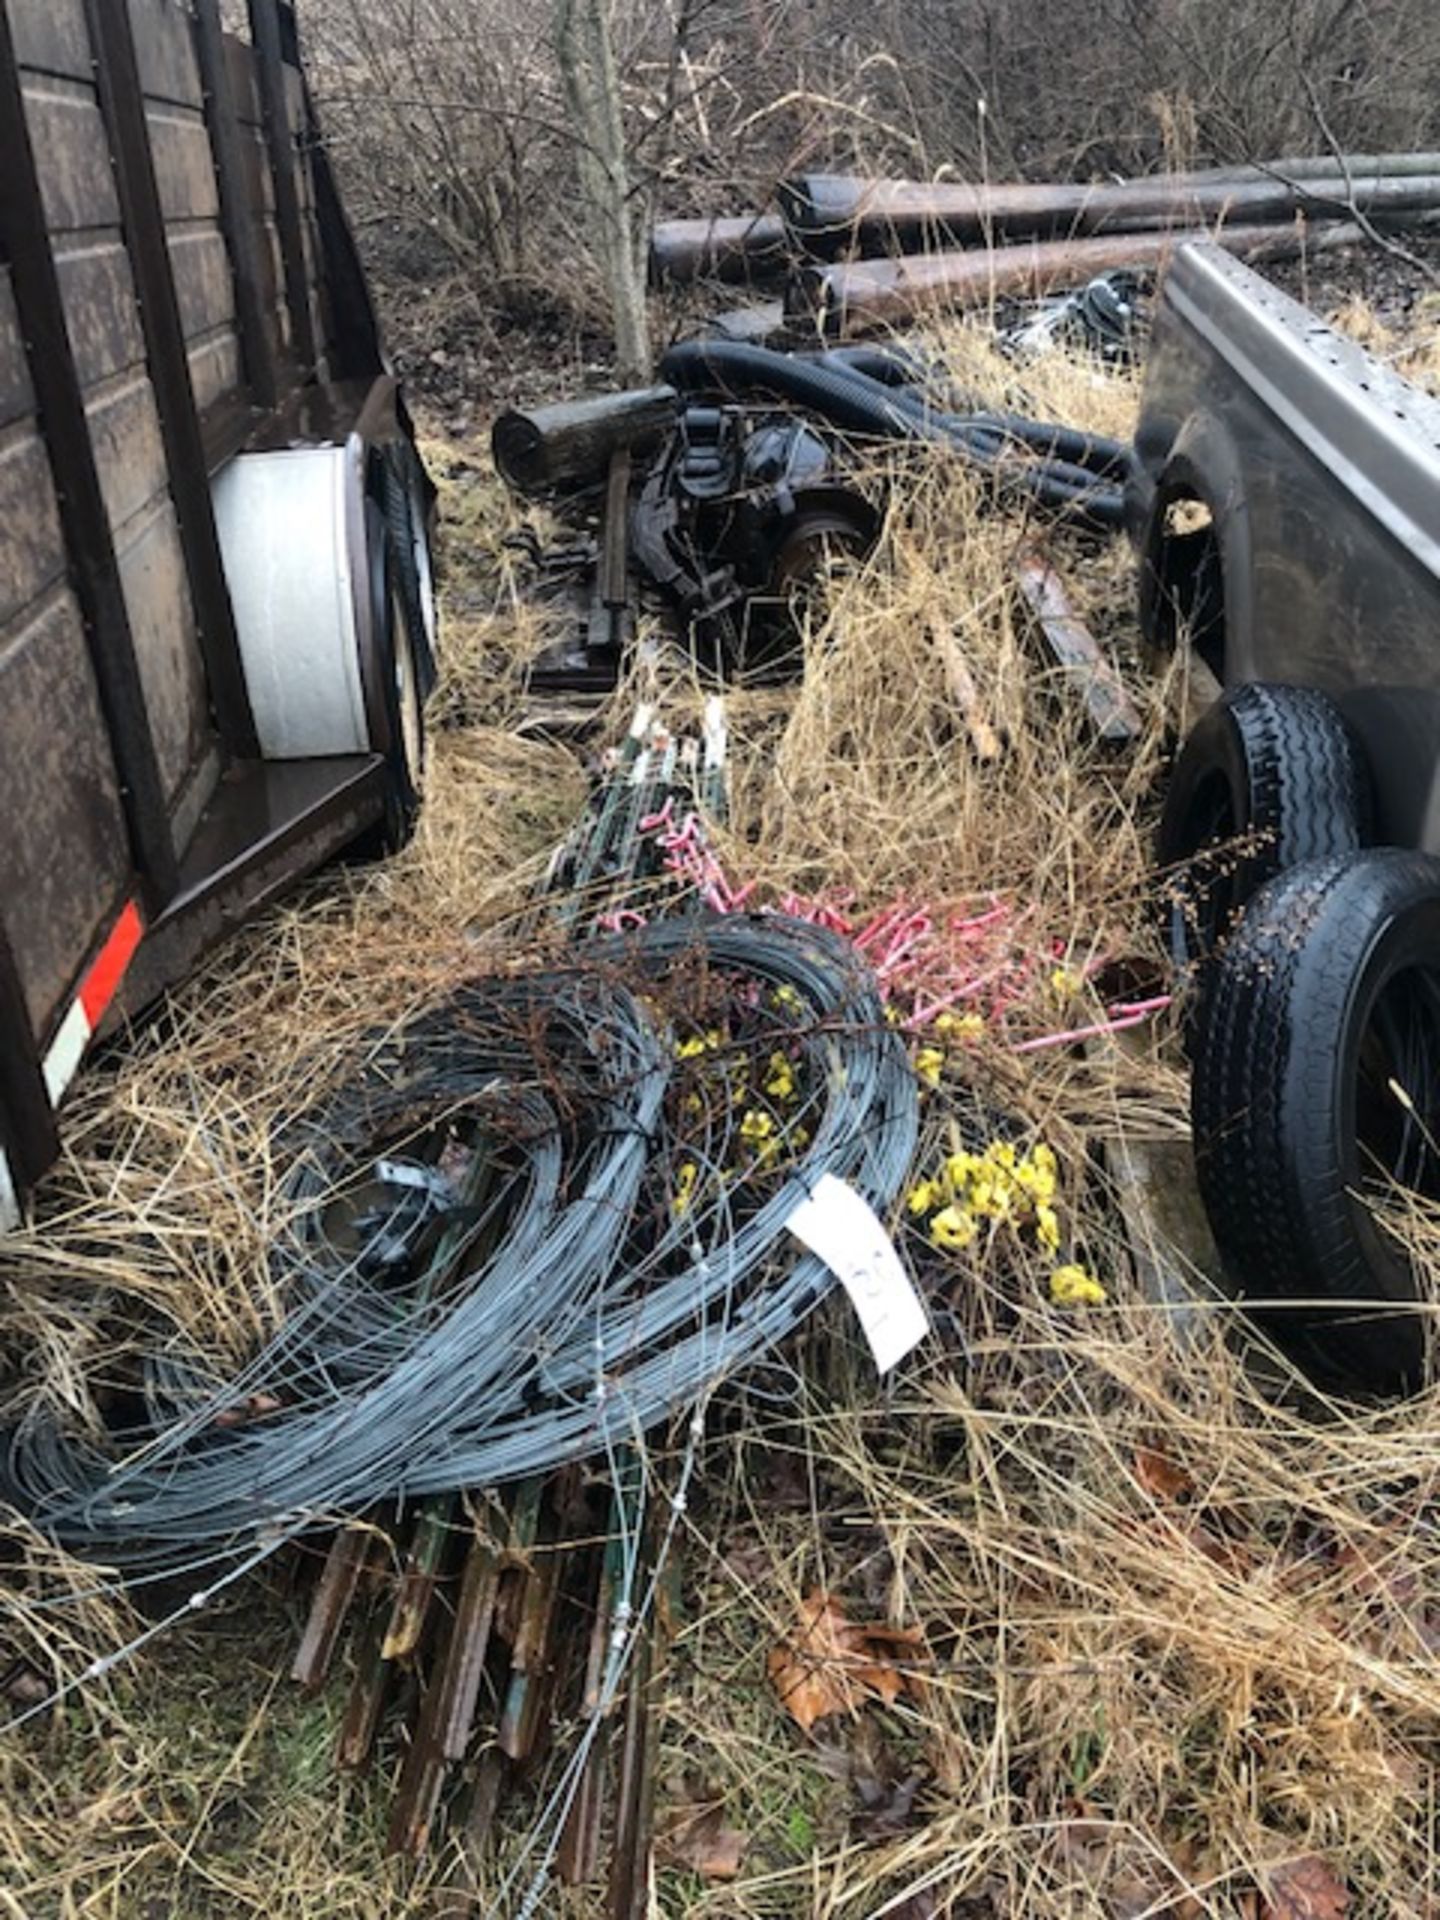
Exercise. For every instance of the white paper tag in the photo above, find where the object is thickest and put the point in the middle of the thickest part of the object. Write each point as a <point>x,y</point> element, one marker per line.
<point>849,1236</point>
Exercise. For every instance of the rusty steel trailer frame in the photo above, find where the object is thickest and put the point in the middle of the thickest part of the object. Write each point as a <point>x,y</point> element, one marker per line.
<point>190,828</point>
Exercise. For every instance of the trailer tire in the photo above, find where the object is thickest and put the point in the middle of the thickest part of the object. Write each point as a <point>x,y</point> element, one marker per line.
<point>1326,998</point>
<point>408,519</point>
<point>399,690</point>
<point>1269,776</point>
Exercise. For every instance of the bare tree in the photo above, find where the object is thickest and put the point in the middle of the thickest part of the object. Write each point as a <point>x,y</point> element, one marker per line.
<point>586,58</point>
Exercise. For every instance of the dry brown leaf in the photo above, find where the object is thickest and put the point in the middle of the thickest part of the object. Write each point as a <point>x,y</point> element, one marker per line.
<point>884,1798</point>
<point>1160,1477</point>
<point>1305,1889</point>
<point>833,1664</point>
<point>696,1838</point>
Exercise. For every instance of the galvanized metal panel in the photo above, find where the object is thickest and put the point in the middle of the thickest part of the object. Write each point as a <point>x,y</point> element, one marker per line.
<point>184,163</point>
<point>162,619</point>
<point>165,51</point>
<point>1321,468</point>
<point>58,797</point>
<point>72,154</point>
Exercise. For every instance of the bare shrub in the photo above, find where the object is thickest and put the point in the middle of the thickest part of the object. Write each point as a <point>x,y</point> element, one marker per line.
<point>458,156</point>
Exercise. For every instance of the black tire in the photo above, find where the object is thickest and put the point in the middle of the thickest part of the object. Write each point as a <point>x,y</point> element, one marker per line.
<point>400,732</point>
<point>1269,776</point>
<point>1326,997</point>
<point>407,518</point>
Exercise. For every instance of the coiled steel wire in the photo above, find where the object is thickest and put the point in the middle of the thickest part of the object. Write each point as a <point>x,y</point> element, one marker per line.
<point>547,1296</point>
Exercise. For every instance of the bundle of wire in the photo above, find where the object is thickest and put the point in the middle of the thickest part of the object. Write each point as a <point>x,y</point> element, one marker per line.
<point>524,1231</point>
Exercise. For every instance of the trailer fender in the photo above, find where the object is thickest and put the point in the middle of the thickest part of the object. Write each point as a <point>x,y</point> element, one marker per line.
<point>1195,549</point>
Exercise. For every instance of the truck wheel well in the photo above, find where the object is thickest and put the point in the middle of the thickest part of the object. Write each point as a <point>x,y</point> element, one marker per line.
<point>1185,580</point>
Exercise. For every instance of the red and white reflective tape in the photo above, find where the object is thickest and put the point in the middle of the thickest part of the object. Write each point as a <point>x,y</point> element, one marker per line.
<point>98,988</point>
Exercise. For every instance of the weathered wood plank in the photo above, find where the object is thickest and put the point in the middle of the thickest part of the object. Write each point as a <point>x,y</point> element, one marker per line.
<point>215,368</point>
<point>165,51</point>
<point>51,36</point>
<point>59,780</point>
<point>100,311</point>
<point>16,396</point>
<point>162,619</point>
<point>32,548</point>
<point>241,59</point>
<point>204,287</point>
<point>184,164</point>
<point>72,155</point>
<point>125,433</point>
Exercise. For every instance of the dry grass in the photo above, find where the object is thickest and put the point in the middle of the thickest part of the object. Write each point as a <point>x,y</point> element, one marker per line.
<point>1412,349</point>
<point>1180,1626</point>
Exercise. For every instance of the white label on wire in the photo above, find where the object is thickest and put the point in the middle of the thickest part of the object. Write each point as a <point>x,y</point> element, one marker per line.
<point>849,1236</point>
<point>398,1173</point>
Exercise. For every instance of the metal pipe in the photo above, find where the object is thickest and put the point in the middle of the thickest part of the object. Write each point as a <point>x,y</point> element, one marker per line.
<point>850,296</point>
<point>827,213</point>
<point>1314,166</point>
<point>745,247</point>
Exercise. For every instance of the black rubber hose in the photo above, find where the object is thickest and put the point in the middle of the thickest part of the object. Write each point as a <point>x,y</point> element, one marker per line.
<point>736,368</point>
<point>891,366</point>
<point>1097,453</point>
<point>989,437</point>
<point>852,400</point>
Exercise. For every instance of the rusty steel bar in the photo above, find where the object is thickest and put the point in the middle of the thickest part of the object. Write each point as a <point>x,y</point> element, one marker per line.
<point>417,1582</point>
<point>442,1729</point>
<point>335,1589</point>
<point>830,213</point>
<point>847,297</point>
<point>745,246</point>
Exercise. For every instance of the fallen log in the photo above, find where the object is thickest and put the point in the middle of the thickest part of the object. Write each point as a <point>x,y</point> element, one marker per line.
<point>746,247</point>
<point>850,296</point>
<point>830,213</point>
